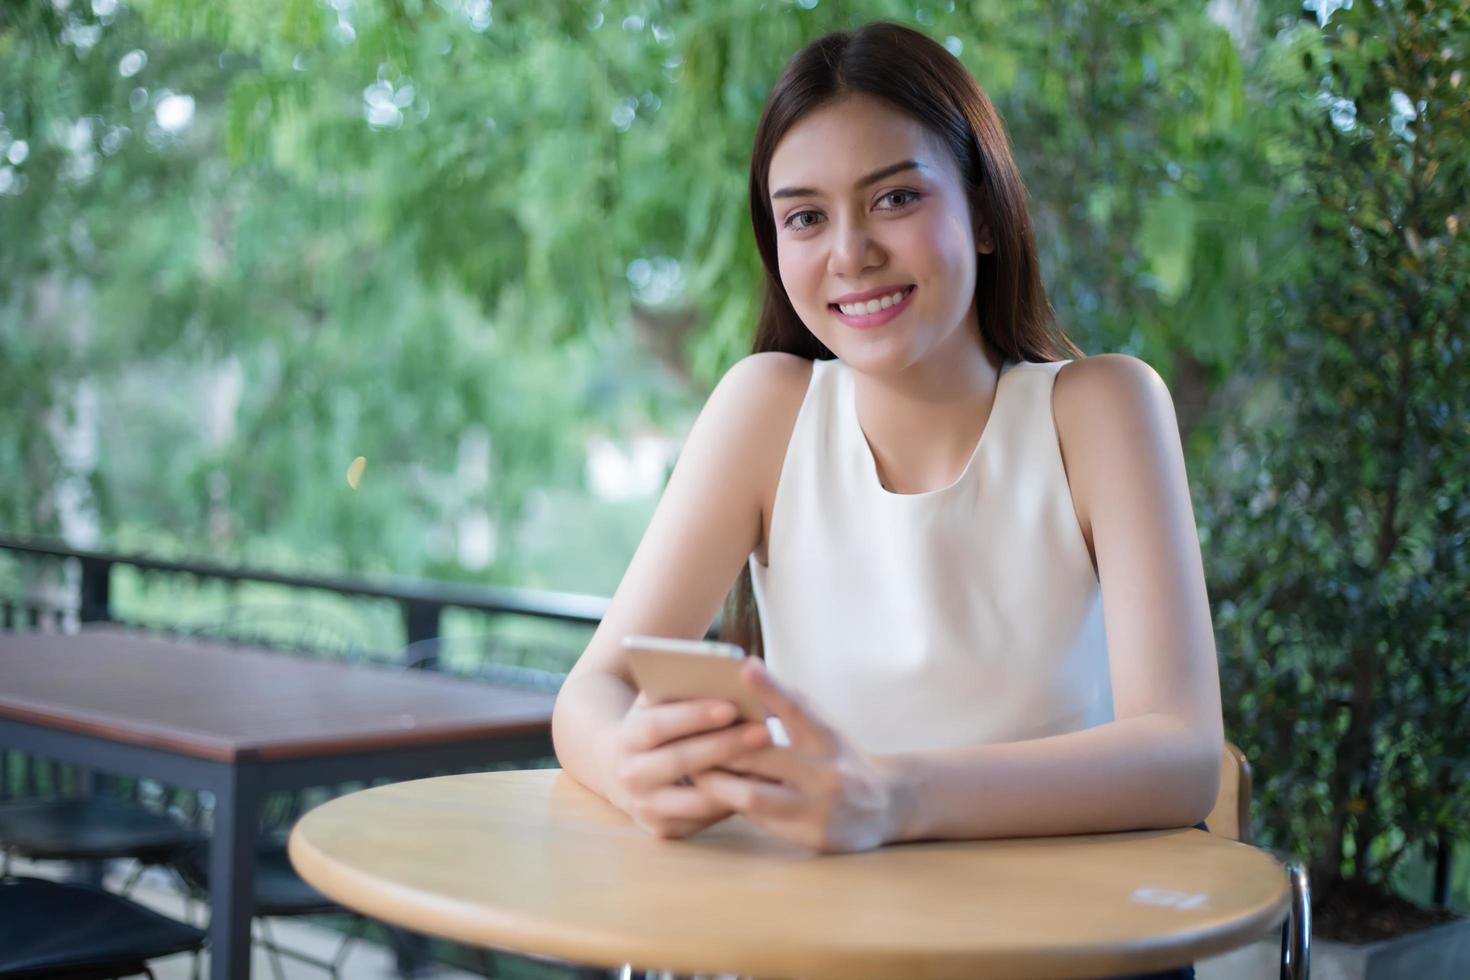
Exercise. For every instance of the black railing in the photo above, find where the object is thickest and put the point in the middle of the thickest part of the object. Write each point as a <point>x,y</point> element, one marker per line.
<point>422,603</point>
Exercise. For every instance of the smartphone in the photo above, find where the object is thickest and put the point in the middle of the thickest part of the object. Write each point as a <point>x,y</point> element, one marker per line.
<point>667,669</point>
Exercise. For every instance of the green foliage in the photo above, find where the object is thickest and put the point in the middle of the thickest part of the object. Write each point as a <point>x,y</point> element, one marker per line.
<point>1337,513</point>
<point>397,220</point>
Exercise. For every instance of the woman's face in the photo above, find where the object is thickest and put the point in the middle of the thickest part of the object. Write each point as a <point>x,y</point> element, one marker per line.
<point>868,204</point>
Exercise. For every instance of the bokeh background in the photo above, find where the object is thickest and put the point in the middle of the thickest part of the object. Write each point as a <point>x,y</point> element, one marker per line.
<point>501,252</point>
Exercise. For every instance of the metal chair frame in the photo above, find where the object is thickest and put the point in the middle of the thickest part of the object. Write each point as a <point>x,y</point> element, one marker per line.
<point>1296,931</point>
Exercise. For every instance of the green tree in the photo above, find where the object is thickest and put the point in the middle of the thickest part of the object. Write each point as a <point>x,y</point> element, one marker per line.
<point>390,223</point>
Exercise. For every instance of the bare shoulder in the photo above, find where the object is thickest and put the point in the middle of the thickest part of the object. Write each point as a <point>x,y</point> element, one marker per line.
<point>770,374</point>
<point>760,395</point>
<point>747,420</point>
<point>1107,388</point>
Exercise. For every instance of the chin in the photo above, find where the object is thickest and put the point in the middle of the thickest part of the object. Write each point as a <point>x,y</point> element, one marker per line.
<point>877,356</point>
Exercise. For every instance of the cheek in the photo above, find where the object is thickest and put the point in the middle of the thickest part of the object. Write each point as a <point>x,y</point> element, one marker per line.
<point>801,274</point>
<point>804,276</point>
<point>942,250</point>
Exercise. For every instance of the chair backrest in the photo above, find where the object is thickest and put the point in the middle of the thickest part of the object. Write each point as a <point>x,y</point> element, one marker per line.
<point>1231,815</point>
<point>497,659</point>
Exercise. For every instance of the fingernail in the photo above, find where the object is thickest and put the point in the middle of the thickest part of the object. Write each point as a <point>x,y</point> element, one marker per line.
<point>722,713</point>
<point>755,735</point>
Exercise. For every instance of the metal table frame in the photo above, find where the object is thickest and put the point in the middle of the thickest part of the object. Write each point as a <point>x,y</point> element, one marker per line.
<point>239,788</point>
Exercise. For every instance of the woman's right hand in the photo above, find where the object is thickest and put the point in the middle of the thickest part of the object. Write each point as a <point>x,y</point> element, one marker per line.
<point>659,745</point>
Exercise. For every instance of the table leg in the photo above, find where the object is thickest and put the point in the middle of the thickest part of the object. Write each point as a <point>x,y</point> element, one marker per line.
<point>232,873</point>
<point>90,872</point>
<point>411,953</point>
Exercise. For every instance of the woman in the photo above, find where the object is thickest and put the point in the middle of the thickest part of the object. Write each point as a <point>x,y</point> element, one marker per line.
<point>975,570</point>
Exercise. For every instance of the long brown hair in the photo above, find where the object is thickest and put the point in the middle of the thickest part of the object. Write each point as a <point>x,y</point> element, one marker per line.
<point>920,77</point>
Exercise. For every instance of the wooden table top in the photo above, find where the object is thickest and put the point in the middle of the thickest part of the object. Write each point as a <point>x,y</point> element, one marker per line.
<point>531,861</point>
<point>238,703</point>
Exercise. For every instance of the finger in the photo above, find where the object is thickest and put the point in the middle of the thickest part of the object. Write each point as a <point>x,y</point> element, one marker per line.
<point>777,765</point>
<point>670,762</point>
<point>803,728</point>
<point>674,829</point>
<point>680,803</point>
<point>753,797</point>
<point>654,725</point>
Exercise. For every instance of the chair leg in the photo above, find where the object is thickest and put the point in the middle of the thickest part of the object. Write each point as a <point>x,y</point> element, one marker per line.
<point>269,942</point>
<point>1296,934</point>
<point>358,924</point>
<point>132,880</point>
<point>186,892</point>
<point>278,952</point>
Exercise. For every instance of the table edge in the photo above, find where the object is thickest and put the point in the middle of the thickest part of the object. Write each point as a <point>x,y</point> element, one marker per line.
<point>216,749</point>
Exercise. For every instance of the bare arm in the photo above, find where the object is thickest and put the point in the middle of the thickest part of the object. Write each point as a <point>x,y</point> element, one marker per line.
<point>705,527</point>
<point>1158,763</point>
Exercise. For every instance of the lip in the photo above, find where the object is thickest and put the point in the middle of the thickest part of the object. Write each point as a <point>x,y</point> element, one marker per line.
<point>878,293</point>
<point>869,320</point>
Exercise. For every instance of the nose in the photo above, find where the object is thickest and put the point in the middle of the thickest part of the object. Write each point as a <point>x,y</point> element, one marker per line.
<point>854,251</point>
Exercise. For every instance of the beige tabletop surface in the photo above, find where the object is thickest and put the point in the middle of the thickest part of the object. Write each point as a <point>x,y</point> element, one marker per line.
<point>532,862</point>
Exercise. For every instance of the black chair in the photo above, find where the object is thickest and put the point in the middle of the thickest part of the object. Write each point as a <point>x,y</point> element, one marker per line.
<point>90,829</point>
<point>67,930</point>
<point>280,893</point>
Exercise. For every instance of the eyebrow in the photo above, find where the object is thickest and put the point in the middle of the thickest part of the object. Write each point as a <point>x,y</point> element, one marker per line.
<point>871,178</point>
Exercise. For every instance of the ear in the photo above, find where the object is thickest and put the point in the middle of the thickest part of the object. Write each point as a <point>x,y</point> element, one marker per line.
<point>979,227</point>
<point>984,241</point>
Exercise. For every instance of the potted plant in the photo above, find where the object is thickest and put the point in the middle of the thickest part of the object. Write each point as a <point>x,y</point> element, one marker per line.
<point>1336,511</point>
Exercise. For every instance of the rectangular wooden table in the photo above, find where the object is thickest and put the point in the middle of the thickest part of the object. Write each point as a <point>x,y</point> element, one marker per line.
<point>242,722</point>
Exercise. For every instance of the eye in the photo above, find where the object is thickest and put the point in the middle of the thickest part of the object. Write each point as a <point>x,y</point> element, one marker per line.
<point>793,222</point>
<point>911,196</point>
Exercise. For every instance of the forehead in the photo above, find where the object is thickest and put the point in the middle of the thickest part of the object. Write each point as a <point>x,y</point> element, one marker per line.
<point>832,146</point>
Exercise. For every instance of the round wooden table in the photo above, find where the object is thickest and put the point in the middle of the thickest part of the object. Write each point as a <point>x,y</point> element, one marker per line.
<point>532,862</point>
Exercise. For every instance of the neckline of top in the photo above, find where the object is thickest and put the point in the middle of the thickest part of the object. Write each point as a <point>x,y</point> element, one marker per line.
<point>872,460</point>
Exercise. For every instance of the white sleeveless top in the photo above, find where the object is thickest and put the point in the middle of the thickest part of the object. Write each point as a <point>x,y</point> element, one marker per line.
<point>956,617</point>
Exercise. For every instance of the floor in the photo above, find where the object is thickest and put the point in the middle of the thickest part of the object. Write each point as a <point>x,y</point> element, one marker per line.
<point>1258,961</point>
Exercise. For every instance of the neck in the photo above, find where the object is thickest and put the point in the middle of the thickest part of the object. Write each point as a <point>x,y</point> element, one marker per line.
<point>924,423</point>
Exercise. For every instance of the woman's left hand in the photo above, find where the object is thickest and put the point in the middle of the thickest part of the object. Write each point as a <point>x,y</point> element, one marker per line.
<point>820,791</point>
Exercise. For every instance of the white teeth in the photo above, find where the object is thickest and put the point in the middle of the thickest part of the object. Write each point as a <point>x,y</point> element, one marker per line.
<point>873,305</point>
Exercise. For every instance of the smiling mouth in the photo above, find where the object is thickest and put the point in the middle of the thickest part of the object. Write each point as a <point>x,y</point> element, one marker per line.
<point>871,306</point>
